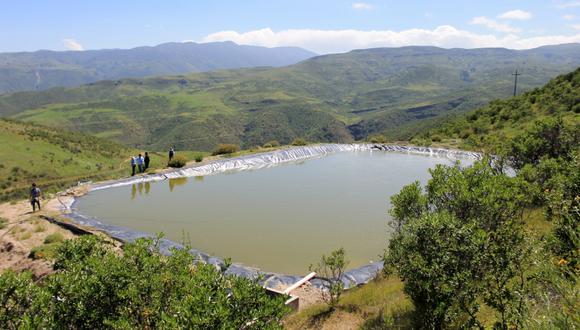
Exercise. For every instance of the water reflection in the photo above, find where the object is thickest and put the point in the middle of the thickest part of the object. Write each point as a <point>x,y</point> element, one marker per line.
<point>140,187</point>
<point>198,178</point>
<point>176,182</point>
<point>133,191</point>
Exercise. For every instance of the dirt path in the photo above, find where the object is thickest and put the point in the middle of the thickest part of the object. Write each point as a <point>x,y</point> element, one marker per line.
<point>22,230</point>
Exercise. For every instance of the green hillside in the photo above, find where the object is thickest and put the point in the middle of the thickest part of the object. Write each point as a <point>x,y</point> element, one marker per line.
<point>500,121</point>
<point>337,98</point>
<point>52,158</point>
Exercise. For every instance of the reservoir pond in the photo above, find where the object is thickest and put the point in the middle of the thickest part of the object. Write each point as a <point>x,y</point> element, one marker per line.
<point>279,219</point>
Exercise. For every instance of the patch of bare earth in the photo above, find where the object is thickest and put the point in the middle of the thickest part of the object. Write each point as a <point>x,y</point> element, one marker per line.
<point>23,230</point>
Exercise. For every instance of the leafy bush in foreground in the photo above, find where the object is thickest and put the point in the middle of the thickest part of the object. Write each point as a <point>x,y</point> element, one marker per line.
<point>225,149</point>
<point>177,161</point>
<point>95,287</point>
<point>462,242</point>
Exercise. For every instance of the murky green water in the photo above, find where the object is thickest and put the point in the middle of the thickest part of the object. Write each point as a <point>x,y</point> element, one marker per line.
<point>280,219</point>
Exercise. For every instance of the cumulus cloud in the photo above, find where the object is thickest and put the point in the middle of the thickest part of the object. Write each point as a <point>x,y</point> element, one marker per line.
<point>335,41</point>
<point>362,6</point>
<point>493,25</point>
<point>71,44</point>
<point>516,14</point>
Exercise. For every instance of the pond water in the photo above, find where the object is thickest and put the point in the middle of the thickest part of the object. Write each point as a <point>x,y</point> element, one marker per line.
<point>279,219</point>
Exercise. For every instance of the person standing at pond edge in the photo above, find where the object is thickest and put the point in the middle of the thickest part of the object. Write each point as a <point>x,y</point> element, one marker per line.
<point>147,160</point>
<point>133,164</point>
<point>140,162</point>
<point>171,153</point>
<point>35,197</point>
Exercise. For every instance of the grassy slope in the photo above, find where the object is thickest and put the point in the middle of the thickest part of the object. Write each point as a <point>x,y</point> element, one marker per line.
<point>502,120</point>
<point>328,98</point>
<point>52,158</point>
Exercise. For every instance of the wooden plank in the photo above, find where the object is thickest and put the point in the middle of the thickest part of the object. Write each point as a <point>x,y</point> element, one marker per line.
<point>299,283</point>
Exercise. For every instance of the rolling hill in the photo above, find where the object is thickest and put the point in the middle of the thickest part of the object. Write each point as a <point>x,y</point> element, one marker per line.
<point>52,158</point>
<point>45,69</point>
<point>396,92</point>
<point>501,120</point>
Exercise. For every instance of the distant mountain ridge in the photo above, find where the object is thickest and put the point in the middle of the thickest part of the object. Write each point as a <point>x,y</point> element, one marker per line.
<point>396,92</point>
<point>45,69</point>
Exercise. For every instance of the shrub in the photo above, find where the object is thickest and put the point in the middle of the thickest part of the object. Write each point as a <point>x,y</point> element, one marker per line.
<point>299,142</point>
<point>177,161</point>
<point>3,222</point>
<point>198,157</point>
<point>225,149</point>
<point>378,139</point>
<point>53,238</point>
<point>45,251</point>
<point>271,144</point>
<point>330,270</point>
<point>462,242</point>
<point>436,138</point>
<point>135,289</point>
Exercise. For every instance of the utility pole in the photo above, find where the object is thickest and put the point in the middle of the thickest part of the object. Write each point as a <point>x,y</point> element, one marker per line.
<point>516,81</point>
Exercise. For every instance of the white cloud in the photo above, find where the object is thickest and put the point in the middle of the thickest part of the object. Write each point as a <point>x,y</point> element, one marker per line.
<point>575,26</point>
<point>335,41</point>
<point>567,4</point>
<point>71,44</point>
<point>516,14</point>
<point>362,6</point>
<point>569,17</point>
<point>493,25</point>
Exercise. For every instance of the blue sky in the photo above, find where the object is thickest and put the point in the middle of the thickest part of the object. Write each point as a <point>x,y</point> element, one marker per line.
<point>320,25</point>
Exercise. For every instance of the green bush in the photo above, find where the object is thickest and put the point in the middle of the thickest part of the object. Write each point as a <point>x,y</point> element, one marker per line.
<point>198,157</point>
<point>97,287</point>
<point>3,223</point>
<point>53,238</point>
<point>436,138</point>
<point>378,139</point>
<point>225,149</point>
<point>299,142</point>
<point>330,270</point>
<point>45,251</point>
<point>271,144</point>
<point>461,242</point>
<point>177,161</point>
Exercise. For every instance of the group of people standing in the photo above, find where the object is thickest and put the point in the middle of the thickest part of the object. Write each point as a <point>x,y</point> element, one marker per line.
<point>140,163</point>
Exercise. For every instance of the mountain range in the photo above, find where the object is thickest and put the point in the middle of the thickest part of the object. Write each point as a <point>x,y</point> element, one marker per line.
<point>26,71</point>
<point>396,92</point>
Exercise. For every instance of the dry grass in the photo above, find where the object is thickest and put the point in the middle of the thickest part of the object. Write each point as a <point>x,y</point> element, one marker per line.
<point>376,305</point>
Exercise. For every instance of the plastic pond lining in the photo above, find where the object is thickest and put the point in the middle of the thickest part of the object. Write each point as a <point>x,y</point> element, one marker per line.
<point>350,278</point>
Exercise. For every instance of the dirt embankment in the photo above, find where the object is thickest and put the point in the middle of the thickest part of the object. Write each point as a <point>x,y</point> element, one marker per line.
<point>22,230</point>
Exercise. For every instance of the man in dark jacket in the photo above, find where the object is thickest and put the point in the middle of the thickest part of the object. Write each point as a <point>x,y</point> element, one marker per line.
<point>147,160</point>
<point>35,197</point>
